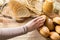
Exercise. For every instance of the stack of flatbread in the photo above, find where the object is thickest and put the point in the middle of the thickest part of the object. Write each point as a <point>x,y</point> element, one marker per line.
<point>16,10</point>
<point>22,9</point>
<point>33,5</point>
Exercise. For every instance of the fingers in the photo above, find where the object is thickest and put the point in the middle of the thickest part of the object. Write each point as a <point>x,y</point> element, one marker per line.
<point>43,16</point>
<point>40,21</point>
<point>40,24</point>
<point>40,17</point>
<point>34,20</point>
<point>37,21</point>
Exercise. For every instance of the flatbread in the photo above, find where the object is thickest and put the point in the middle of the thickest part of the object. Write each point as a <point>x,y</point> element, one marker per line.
<point>35,5</point>
<point>7,12</point>
<point>16,10</point>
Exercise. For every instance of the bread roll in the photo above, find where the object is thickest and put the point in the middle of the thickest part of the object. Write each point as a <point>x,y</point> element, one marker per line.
<point>44,31</point>
<point>48,6</point>
<point>54,36</point>
<point>49,24</point>
<point>59,12</point>
<point>56,20</point>
<point>57,28</point>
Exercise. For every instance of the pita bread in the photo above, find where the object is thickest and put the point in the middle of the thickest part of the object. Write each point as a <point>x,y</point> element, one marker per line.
<point>16,10</point>
<point>7,11</point>
<point>35,5</point>
<point>6,20</point>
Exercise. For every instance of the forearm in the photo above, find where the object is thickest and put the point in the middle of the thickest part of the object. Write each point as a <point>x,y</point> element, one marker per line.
<point>7,33</point>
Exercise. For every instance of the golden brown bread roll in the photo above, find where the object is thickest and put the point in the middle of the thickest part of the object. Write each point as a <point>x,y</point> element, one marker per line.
<point>52,15</point>
<point>57,28</point>
<point>54,36</point>
<point>56,20</point>
<point>44,31</point>
<point>49,24</point>
<point>48,6</point>
<point>59,13</point>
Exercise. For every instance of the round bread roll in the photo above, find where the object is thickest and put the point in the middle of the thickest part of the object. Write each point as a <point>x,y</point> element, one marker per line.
<point>44,31</point>
<point>48,6</point>
<point>49,24</point>
<point>54,36</point>
<point>57,28</point>
<point>56,20</point>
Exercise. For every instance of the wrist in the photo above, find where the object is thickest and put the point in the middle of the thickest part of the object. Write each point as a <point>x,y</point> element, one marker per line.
<point>25,29</point>
<point>28,28</point>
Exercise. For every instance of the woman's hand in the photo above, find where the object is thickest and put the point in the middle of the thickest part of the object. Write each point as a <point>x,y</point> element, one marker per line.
<point>36,23</point>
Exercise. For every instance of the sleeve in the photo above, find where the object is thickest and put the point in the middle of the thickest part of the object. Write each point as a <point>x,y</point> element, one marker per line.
<point>6,33</point>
